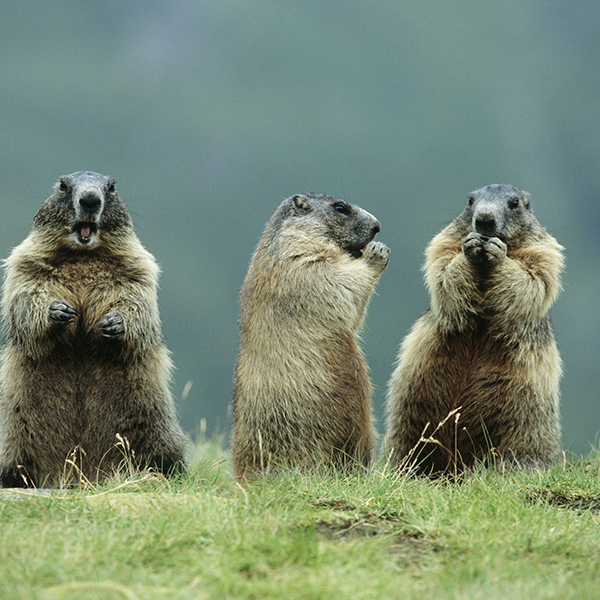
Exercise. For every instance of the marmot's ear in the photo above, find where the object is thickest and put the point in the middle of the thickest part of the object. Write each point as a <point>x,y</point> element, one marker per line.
<point>301,203</point>
<point>526,202</point>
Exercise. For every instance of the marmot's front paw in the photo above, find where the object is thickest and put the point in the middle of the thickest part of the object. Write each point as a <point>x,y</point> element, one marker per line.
<point>112,326</point>
<point>61,312</point>
<point>473,247</point>
<point>482,249</point>
<point>495,249</point>
<point>377,253</point>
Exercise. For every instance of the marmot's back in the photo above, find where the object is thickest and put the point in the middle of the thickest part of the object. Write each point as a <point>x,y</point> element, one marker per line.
<point>302,392</point>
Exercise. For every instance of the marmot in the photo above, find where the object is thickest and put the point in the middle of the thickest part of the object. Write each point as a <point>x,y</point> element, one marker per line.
<point>480,370</point>
<point>84,364</point>
<point>302,391</point>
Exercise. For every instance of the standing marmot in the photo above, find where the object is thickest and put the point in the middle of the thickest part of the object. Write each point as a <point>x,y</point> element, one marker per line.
<point>84,361</point>
<point>302,391</point>
<point>485,348</point>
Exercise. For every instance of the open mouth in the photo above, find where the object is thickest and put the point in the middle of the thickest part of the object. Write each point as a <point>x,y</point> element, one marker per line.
<point>357,251</point>
<point>85,230</point>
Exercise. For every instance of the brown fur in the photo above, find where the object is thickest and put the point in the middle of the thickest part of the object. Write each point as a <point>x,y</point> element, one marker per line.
<point>84,361</point>
<point>483,360</point>
<point>302,390</point>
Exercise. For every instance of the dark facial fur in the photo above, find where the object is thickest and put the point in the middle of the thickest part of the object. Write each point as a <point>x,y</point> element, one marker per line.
<point>87,205</point>
<point>347,225</point>
<point>498,211</point>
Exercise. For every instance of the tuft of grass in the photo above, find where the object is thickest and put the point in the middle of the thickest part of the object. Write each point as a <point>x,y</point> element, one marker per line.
<point>369,534</point>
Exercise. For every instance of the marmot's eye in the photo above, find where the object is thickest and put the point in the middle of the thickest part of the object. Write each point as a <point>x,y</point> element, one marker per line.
<point>513,202</point>
<point>341,208</point>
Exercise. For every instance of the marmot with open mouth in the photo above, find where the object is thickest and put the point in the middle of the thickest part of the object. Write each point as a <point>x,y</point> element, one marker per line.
<point>84,369</point>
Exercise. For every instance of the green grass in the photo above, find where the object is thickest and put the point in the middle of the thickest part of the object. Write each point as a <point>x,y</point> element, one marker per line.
<point>371,535</point>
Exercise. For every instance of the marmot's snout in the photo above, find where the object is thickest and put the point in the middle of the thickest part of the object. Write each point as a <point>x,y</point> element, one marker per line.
<point>372,232</point>
<point>485,226</point>
<point>369,226</point>
<point>88,210</point>
<point>486,223</point>
<point>364,235</point>
<point>91,202</point>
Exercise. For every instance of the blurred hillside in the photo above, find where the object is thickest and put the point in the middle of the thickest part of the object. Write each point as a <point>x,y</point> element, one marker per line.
<point>208,114</point>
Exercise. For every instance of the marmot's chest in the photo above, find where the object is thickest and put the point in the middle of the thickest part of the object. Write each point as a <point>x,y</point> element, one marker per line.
<point>473,359</point>
<point>85,278</point>
<point>94,288</point>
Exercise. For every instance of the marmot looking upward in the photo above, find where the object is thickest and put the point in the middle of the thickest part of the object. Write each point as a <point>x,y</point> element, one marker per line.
<point>302,391</point>
<point>485,348</point>
<point>84,359</point>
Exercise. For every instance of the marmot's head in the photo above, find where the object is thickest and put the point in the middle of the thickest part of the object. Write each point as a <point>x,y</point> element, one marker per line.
<point>318,215</point>
<point>84,208</point>
<point>500,211</point>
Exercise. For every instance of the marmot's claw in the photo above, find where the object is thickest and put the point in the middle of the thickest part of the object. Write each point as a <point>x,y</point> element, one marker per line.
<point>62,313</point>
<point>480,247</point>
<point>112,326</point>
<point>473,246</point>
<point>377,251</point>
<point>495,248</point>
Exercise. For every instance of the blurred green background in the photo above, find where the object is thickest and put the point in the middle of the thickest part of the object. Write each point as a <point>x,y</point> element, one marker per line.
<point>209,114</point>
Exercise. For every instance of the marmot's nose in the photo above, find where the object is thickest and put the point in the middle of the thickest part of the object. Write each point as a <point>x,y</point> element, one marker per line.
<point>376,227</point>
<point>90,201</point>
<point>485,225</point>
